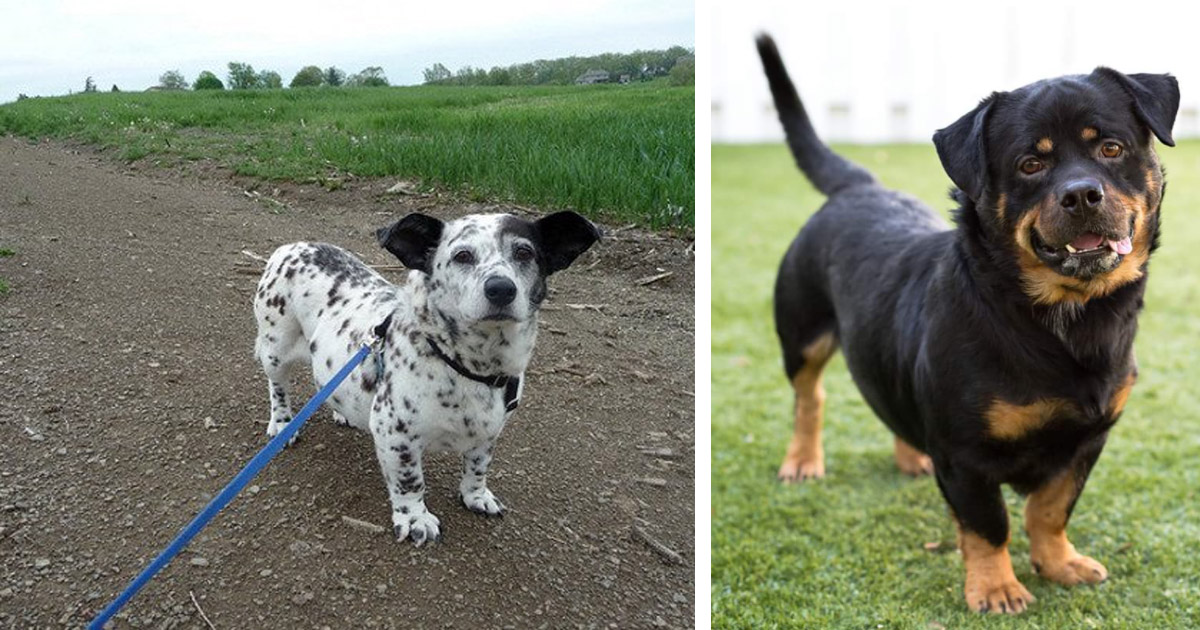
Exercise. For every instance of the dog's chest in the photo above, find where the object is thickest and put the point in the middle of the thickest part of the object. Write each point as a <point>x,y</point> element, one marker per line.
<point>425,398</point>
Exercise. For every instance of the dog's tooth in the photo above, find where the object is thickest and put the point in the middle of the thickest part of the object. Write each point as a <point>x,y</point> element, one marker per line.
<point>1071,249</point>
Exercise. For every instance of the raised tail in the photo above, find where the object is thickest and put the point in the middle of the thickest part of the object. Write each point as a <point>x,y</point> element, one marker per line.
<point>828,171</point>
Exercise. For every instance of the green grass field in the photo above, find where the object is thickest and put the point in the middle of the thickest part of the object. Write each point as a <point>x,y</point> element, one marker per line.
<point>621,152</point>
<point>847,551</point>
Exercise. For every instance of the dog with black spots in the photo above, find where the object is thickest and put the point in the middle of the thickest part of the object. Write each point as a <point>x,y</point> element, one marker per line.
<point>457,337</point>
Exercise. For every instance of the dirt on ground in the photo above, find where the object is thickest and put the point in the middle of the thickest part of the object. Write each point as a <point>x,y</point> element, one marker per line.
<point>130,396</point>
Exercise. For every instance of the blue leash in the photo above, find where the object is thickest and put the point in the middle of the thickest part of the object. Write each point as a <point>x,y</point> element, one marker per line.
<point>230,491</point>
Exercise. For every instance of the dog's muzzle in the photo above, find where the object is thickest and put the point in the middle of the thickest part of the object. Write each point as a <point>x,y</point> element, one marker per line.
<point>500,291</point>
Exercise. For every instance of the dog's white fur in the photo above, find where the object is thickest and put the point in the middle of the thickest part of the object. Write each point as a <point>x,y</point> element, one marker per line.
<point>317,304</point>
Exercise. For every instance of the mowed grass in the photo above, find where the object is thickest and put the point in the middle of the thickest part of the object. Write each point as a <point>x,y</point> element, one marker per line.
<point>625,153</point>
<point>848,551</point>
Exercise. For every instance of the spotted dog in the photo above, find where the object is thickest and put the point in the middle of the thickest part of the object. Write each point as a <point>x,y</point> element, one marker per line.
<point>458,335</point>
<point>1000,350</point>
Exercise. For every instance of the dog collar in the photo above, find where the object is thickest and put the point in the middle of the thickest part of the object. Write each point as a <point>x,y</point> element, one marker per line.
<point>511,384</point>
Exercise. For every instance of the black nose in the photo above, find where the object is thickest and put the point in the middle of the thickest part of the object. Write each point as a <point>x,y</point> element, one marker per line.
<point>1080,195</point>
<point>499,290</point>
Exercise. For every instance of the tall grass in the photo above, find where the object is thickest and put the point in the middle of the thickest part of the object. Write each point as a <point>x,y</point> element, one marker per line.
<point>622,152</point>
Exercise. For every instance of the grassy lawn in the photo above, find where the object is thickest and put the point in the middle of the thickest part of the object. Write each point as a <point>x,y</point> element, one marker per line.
<point>621,152</point>
<point>848,551</point>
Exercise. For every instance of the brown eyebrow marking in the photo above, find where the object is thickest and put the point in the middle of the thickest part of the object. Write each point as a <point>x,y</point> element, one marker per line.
<point>1045,145</point>
<point>1089,133</point>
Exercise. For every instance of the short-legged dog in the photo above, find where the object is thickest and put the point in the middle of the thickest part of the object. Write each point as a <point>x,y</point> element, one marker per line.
<point>1000,350</point>
<point>457,338</point>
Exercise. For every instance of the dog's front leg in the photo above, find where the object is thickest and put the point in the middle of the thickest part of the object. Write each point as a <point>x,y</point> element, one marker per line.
<point>400,460</point>
<point>473,488</point>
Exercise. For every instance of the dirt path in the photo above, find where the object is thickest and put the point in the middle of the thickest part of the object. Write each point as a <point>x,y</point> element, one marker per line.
<point>131,395</point>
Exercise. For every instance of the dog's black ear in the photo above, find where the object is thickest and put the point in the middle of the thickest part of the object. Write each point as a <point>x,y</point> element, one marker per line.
<point>413,240</point>
<point>565,235</point>
<point>1155,99</point>
<point>962,149</point>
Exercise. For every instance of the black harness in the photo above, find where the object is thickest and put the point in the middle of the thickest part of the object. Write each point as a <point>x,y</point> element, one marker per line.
<point>510,384</point>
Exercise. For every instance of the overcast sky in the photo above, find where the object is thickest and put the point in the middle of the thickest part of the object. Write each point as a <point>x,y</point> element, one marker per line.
<point>51,47</point>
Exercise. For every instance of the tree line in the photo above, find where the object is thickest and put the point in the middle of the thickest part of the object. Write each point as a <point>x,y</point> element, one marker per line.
<point>243,76</point>
<point>639,65</point>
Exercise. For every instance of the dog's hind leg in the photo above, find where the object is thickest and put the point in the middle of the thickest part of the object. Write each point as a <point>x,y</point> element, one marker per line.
<point>279,347</point>
<point>911,461</point>
<point>805,458</point>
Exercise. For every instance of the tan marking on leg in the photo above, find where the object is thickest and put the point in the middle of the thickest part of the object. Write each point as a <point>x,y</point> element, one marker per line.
<point>805,458</point>
<point>1089,133</point>
<point>1045,145</point>
<point>911,461</point>
<point>1052,555</point>
<point>1116,402</point>
<point>991,585</point>
<point>1008,421</point>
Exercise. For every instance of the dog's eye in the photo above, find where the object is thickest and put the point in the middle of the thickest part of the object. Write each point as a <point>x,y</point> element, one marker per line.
<point>464,256</point>
<point>523,254</point>
<point>1111,149</point>
<point>1032,165</point>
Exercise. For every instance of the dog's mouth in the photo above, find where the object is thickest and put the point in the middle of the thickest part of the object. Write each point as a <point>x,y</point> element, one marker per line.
<point>499,317</point>
<point>1088,254</point>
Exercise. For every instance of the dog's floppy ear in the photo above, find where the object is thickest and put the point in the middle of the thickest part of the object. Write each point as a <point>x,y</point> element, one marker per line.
<point>1155,99</point>
<point>961,149</point>
<point>564,236</point>
<point>413,240</point>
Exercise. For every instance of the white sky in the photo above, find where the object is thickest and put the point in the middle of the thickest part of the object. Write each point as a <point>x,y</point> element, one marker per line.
<point>51,47</point>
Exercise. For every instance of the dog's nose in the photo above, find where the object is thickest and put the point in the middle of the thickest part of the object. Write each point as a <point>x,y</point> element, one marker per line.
<point>499,290</point>
<point>1081,195</point>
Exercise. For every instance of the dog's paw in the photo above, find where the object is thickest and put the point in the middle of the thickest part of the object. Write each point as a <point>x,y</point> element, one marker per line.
<point>1074,569</point>
<point>997,594</point>
<point>340,420</point>
<point>793,471</point>
<point>483,502</point>
<point>276,426</point>
<point>419,527</point>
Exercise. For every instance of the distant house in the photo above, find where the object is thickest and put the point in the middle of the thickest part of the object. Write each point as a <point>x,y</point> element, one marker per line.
<point>624,79</point>
<point>593,76</point>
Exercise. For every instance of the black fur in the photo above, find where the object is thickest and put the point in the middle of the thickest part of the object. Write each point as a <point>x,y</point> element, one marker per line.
<point>936,323</point>
<point>412,239</point>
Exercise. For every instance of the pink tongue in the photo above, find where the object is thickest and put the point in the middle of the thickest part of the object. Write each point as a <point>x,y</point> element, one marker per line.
<point>1087,240</point>
<point>1123,246</point>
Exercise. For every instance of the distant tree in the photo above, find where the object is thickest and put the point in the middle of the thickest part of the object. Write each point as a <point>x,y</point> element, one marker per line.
<point>21,97</point>
<point>208,81</point>
<point>372,76</point>
<point>114,89</point>
<point>89,85</point>
<point>499,76</point>
<point>172,80</point>
<point>308,76</point>
<point>436,73</point>
<point>242,76</point>
<point>270,79</point>
<point>334,77</point>
<point>684,71</point>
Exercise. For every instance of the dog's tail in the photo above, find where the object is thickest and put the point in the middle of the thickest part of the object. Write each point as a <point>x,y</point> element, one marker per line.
<point>828,171</point>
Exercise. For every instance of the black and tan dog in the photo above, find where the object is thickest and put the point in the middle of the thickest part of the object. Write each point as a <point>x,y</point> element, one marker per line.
<point>1001,350</point>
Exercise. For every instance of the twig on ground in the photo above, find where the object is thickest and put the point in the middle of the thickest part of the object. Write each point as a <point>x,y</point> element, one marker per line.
<point>652,279</point>
<point>658,452</point>
<point>652,481</point>
<point>363,525</point>
<point>254,256</point>
<point>201,610</point>
<point>665,552</point>
<point>584,307</point>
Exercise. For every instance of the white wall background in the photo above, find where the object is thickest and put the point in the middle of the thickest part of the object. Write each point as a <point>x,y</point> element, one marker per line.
<point>871,71</point>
